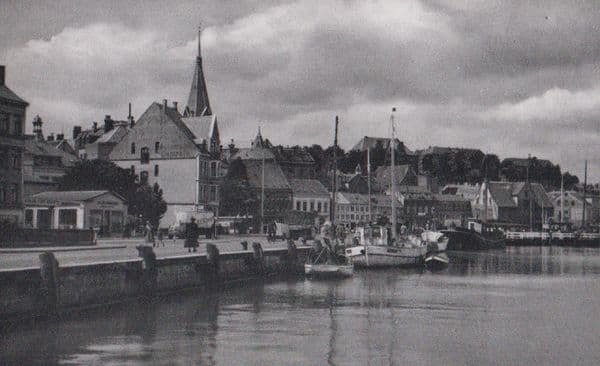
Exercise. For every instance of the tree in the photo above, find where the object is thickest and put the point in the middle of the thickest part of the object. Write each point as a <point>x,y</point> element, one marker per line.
<point>142,200</point>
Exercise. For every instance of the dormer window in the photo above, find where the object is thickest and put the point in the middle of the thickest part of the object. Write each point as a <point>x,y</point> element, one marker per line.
<point>156,146</point>
<point>144,155</point>
<point>133,147</point>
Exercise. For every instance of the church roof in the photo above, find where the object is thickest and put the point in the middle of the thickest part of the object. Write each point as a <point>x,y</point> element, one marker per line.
<point>370,143</point>
<point>198,103</point>
<point>158,124</point>
<point>274,177</point>
<point>203,127</point>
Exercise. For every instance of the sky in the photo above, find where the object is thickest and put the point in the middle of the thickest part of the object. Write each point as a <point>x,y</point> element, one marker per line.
<point>508,77</point>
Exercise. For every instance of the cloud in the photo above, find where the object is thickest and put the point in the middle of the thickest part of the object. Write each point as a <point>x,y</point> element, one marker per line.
<point>510,77</point>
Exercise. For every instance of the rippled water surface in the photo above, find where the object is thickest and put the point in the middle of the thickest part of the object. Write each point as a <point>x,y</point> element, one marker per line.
<point>519,306</point>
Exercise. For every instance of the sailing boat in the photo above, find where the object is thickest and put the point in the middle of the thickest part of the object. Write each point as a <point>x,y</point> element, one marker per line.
<point>376,247</point>
<point>327,263</point>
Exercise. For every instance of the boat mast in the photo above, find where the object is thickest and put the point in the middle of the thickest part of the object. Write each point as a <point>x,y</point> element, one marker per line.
<point>530,195</point>
<point>335,143</point>
<point>369,179</point>
<point>262,193</point>
<point>562,198</point>
<point>584,195</point>
<point>393,173</point>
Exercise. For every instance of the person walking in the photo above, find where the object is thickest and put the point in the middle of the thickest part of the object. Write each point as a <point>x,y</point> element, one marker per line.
<point>149,234</point>
<point>191,236</point>
<point>160,238</point>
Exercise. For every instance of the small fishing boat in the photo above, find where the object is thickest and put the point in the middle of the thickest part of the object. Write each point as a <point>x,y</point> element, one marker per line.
<point>436,261</point>
<point>374,249</point>
<point>437,237</point>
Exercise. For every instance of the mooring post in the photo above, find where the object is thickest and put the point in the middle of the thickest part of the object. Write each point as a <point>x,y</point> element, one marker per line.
<point>259,258</point>
<point>49,277</point>
<point>149,270</point>
<point>292,256</point>
<point>212,257</point>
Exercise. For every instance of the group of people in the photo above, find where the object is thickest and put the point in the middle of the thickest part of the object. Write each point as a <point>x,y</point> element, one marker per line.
<point>192,233</point>
<point>153,234</point>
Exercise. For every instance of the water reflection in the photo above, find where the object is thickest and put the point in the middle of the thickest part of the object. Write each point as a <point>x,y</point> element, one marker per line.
<point>486,307</point>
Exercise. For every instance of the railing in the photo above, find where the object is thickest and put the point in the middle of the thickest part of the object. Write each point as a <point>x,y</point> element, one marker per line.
<point>535,235</point>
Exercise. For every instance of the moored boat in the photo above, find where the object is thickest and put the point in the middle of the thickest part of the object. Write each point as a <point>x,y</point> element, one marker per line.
<point>476,237</point>
<point>436,261</point>
<point>376,250</point>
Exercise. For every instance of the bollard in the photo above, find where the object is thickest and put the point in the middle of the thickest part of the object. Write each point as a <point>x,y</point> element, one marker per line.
<point>212,256</point>
<point>292,256</point>
<point>244,245</point>
<point>259,258</point>
<point>49,277</point>
<point>149,270</point>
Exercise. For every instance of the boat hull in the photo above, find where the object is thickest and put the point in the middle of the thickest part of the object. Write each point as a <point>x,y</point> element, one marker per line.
<point>437,261</point>
<point>471,240</point>
<point>328,270</point>
<point>373,256</point>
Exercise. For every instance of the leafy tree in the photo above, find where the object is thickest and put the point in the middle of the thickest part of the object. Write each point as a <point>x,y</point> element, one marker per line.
<point>142,200</point>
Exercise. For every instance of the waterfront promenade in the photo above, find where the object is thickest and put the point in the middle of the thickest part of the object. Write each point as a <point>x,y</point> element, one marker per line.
<point>123,249</point>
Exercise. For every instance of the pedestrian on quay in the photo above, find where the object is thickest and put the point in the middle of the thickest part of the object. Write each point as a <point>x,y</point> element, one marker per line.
<point>160,238</point>
<point>149,234</point>
<point>191,236</point>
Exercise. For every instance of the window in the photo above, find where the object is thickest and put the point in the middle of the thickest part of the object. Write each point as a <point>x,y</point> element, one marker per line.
<point>17,125</point>
<point>325,207</point>
<point>29,217</point>
<point>2,193</point>
<point>298,205</point>
<point>133,147</point>
<point>319,206</point>
<point>156,170</point>
<point>3,123</point>
<point>67,218</point>
<point>144,155</point>
<point>16,164</point>
<point>303,205</point>
<point>312,206</point>
<point>213,168</point>
<point>144,177</point>
<point>156,146</point>
<point>133,169</point>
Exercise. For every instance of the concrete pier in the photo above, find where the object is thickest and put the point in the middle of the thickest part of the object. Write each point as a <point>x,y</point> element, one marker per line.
<point>53,288</point>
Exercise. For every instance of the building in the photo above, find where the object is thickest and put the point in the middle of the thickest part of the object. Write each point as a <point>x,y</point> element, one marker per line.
<point>404,176</point>
<point>295,162</point>
<point>102,210</point>
<point>161,149</point>
<point>418,206</point>
<point>353,209</point>
<point>12,139</point>
<point>99,141</point>
<point>513,203</point>
<point>573,208</point>
<point>43,164</point>
<point>267,181</point>
<point>451,210</point>
<point>466,191</point>
<point>404,155</point>
<point>310,195</point>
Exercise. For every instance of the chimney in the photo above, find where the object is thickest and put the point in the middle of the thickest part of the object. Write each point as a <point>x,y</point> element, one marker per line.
<point>51,137</point>
<point>108,123</point>
<point>76,131</point>
<point>2,74</point>
<point>60,136</point>
<point>175,105</point>
<point>95,126</point>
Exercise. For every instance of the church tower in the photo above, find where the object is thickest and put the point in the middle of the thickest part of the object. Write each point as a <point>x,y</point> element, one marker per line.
<point>198,104</point>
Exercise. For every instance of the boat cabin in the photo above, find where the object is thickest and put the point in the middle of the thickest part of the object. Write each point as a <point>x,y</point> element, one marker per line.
<point>373,235</point>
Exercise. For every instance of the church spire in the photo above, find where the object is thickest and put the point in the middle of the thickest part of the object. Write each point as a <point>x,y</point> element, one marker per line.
<point>198,104</point>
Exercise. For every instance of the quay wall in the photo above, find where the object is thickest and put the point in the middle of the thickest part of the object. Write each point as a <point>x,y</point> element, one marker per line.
<point>51,289</point>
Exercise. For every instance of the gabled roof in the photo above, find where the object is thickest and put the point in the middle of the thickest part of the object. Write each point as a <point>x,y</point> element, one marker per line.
<point>203,127</point>
<point>274,177</point>
<point>351,198</point>
<point>503,193</point>
<point>462,190</point>
<point>310,187</point>
<point>45,148</point>
<point>113,136</point>
<point>9,95</point>
<point>68,196</point>
<point>383,174</point>
<point>370,142</point>
<point>250,153</point>
<point>158,124</point>
<point>297,155</point>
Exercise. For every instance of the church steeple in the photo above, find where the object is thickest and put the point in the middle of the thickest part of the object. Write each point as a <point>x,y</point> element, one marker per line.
<point>198,104</point>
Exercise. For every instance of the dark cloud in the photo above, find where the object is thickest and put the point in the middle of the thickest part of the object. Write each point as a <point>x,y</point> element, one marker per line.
<point>510,77</point>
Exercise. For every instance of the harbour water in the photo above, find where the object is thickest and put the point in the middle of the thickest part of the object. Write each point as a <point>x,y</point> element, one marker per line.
<point>517,306</point>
